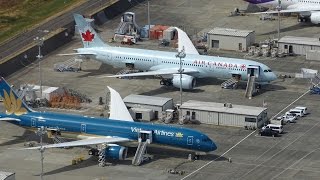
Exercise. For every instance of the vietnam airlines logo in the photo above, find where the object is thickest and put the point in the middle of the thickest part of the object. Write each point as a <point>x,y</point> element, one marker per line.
<point>87,36</point>
<point>179,135</point>
<point>13,105</point>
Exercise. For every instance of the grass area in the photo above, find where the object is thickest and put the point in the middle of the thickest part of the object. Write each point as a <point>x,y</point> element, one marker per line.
<point>18,15</point>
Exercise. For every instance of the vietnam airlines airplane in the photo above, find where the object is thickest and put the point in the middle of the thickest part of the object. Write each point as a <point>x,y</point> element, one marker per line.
<point>166,64</point>
<point>307,9</point>
<point>118,128</point>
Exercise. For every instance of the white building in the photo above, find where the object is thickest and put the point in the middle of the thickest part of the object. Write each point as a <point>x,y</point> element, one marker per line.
<point>224,114</point>
<point>298,45</point>
<point>230,39</point>
<point>156,104</point>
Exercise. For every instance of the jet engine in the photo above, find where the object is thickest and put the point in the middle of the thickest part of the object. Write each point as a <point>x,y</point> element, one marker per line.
<point>315,17</point>
<point>116,152</point>
<point>188,82</point>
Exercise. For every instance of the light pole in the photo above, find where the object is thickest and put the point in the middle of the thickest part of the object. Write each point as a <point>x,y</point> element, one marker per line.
<point>181,54</point>
<point>41,132</point>
<point>40,41</point>
<point>149,18</point>
<point>279,9</point>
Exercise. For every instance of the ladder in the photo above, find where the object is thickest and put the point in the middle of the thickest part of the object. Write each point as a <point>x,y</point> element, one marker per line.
<point>73,64</point>
<point>230,83</point>
<point>250,86</point>
<point>141,151</point>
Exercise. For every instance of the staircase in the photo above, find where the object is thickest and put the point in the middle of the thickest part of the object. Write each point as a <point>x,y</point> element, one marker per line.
<point>58,139</point>
<point>72,64</point>
<point>229,84</point>
<point>139,157</point>
<point>250,86</point>
<point>122,28</point>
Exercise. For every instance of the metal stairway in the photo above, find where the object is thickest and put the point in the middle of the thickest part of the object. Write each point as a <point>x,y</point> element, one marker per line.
<point>122,28</point>
<point>58,139</point>
<point>250,86</point>
<point>73,64</point>
<point>230,83</point>
<point>139,157</point>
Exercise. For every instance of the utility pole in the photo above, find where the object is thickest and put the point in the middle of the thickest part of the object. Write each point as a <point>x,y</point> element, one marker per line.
<point>40,41</point>
<point>41,132</point>
<point>181,54</point>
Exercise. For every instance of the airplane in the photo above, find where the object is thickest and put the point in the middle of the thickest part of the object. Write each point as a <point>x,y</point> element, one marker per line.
<point>166,64</point>
<point>308,10</point>
<point>119,128</point>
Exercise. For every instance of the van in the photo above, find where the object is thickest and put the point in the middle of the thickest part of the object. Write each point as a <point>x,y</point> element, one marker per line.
<point>304,109</point>
<point>275,127</point>
<point>297,112</point>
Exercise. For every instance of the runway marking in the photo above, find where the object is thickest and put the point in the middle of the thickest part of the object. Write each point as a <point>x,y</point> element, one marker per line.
<point>218,157</point>
<point>290,167</point>
<point>247,137</point>
<point>279,151</point>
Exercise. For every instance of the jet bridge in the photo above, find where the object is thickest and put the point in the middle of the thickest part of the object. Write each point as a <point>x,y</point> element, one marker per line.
<point>144,138</point>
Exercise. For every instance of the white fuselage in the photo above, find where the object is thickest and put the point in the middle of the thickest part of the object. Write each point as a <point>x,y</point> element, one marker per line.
<point>207,66</point>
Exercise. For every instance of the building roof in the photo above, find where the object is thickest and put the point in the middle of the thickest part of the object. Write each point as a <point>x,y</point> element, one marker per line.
<point>219,107</point>
<point>147,100</point>
<point>50,89</point>
<point>230,32</point>
<point>300,40</point>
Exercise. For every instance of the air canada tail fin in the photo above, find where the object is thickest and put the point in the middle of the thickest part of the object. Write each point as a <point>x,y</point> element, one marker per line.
<point>89,36</point>
<point>12,103</point>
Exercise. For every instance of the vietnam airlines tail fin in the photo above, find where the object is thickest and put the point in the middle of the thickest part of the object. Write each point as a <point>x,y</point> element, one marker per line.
<point>89,36</point>
<point>12,103</point>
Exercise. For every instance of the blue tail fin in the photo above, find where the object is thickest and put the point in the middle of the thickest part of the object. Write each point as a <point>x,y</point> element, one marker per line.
<point>89,36</point>
<point>12,103</point>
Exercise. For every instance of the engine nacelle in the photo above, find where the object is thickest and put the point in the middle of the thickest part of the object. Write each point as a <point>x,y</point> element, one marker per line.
<point>116,152</point>
<point>315,17</point>
<point>188,82</point>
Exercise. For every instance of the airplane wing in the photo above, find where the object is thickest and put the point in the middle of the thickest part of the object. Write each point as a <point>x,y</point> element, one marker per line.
<point>84,142</point>
<point>118,110</point>
<point>9,119</point>
<point>157,72</point>
<point>185,42</point>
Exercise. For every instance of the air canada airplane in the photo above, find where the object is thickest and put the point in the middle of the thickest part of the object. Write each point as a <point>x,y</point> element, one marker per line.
<point>118,128</point>
<point>307,9</point>
<point>166,64</point>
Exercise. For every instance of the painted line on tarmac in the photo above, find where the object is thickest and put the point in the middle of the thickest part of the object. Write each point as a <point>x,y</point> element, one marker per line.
<point>218,157</point>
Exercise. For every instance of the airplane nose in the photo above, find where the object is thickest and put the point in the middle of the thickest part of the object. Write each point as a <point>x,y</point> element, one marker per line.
<point>273,77</point>
<point>213,146</point>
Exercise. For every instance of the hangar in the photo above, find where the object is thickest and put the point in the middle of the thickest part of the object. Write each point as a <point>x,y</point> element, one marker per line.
<point>224,114</point>
<point>230,39</point>
<point>147,107</point>
<point>298,45</point>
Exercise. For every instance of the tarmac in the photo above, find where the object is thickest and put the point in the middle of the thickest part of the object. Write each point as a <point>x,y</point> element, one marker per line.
<point>241,154</point>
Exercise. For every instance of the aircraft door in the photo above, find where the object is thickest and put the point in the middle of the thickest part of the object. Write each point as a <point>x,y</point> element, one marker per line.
<point>190,140</point>
<point>83,128</point>
<point>33,122</point>
<point>254,71</point>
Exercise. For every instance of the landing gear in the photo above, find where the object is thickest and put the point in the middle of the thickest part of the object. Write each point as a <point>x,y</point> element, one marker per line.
<point>166,82</point>
<point>303,19</point>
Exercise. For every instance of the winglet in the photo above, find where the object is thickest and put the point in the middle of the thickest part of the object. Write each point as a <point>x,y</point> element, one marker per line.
<point>118,110</point>
<point>185,42</point>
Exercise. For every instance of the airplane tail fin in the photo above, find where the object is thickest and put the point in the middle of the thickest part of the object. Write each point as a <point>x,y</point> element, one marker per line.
<point>12,103</point>
<point>89,36</point>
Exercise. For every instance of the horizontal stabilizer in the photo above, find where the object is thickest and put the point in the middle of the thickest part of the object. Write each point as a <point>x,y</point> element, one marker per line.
<point>75,54</point>
<point>157,72</point>
<point>84,142</point>
<point>9,119</point>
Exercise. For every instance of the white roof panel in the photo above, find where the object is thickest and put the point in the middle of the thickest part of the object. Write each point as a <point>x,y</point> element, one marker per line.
<point>300,40</point>
<point>219,107</point>
<point>147,100</point>
<point>230,32</point>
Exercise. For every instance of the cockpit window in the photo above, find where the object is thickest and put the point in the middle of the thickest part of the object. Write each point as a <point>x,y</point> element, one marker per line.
<point>205,139</point>
<point>267,70</point>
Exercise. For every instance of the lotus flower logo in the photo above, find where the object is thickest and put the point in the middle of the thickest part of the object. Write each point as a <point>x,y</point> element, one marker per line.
<point>179,134</point>
<point>13,105</point>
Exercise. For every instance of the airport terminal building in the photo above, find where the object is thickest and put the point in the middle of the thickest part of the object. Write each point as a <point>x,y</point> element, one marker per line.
<point>224,114</point>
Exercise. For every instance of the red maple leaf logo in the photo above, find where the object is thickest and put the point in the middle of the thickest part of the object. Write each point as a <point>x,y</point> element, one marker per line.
<point>243,66</point>
<point>88,36</point>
